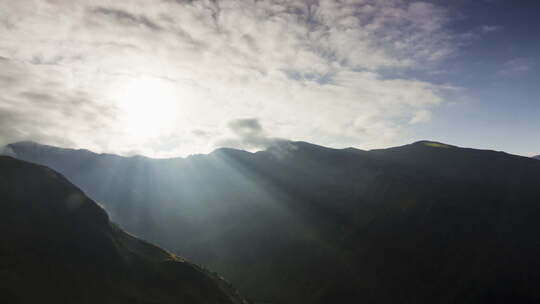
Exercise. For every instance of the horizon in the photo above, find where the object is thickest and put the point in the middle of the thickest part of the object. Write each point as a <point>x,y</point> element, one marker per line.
<point>177,78</point>
<point>3,152</point>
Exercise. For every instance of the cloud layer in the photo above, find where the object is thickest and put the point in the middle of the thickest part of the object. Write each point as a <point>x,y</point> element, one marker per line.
<point>319,71</point>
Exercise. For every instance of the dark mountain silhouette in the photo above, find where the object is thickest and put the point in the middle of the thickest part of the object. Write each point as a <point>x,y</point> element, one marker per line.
<point>536,157</point>
<point>58,246</point>
<point>300,223</point>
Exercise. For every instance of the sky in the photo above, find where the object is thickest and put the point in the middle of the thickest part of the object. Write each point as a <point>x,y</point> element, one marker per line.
<point>174,78</point>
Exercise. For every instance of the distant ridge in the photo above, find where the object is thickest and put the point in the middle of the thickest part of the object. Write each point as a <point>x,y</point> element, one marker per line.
<point>536,157</point>
<point>293,145</point>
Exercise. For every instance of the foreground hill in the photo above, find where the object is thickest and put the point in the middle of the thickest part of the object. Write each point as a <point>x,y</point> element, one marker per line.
<point>300,223</point>
<point>58,246</point>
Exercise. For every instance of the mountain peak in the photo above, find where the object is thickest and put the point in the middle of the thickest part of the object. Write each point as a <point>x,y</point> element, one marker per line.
<point>31,145</point>
<point>225,151</point>
<point>26,143</point>
<point>432,144</point>
<point>10,149</point>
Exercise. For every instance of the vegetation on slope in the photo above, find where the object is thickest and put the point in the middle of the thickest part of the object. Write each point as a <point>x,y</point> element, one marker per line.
<point>58,246</point>
<point>421,223</point>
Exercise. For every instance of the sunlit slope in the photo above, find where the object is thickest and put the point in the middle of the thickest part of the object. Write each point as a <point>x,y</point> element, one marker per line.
<point>300,223</point>
<point>58,246</point>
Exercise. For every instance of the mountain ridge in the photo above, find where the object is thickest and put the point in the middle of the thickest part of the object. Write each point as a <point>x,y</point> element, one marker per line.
<point>411,224</point>
<point>60,247</point>
<point>26,144</point>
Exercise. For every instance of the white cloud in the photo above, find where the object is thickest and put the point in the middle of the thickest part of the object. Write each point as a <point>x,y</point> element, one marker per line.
<point>490,28</point>
<point>308,71</point>
<point>248,133</point>
<point>516,66</point>
<point>421,116</point>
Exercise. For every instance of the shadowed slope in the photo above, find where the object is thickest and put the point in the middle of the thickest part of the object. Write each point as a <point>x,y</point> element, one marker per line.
<point>58,246</point>
<point>421,223</point>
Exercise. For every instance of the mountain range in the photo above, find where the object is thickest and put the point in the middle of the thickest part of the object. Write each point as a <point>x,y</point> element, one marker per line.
<point>58,246</point>
<point>536,157</point>
<point>300,223</point>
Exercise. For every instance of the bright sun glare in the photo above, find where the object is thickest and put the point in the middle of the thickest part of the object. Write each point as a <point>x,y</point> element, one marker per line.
<point>148,108</point>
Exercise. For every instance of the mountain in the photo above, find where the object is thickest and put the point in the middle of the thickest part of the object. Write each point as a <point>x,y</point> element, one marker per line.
<point>300,223</point>
<point>536,157</point>
<point>58,246</point>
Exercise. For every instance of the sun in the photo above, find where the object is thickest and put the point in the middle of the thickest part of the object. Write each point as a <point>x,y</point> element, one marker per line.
<point>148,107</point>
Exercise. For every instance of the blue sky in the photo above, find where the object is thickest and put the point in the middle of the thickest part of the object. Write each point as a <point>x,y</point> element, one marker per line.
<point>172,78</point>
<point>499,73</point>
